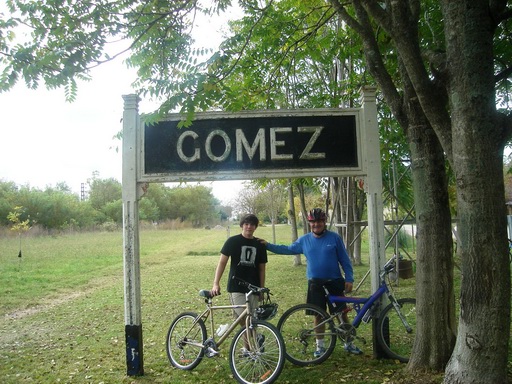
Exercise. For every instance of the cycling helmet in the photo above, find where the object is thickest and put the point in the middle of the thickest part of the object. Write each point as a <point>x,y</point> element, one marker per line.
<point>266,311</point>
<point>316,214</point>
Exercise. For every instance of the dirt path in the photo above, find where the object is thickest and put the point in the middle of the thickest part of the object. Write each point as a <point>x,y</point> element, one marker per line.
<point>12,327</point>
<point>51,303</point>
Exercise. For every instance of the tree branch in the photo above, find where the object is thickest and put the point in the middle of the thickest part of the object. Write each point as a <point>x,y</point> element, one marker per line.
<point>399,22</point>
<point>374,58</point>
<point>506,73</point>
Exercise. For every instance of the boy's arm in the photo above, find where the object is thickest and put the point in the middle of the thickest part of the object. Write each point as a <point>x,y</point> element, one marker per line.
<point>262,271</point>
<point>221,266</point>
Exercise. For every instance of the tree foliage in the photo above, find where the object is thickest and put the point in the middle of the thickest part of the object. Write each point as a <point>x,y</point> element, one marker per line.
<point>59,208</point>
<point>443,68</point>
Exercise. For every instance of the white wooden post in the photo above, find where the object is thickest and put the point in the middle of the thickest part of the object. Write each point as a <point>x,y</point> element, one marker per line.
<point>374,193</point>
<point>131,255</point>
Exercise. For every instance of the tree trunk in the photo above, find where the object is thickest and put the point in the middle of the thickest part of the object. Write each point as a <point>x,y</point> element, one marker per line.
<point>293,220</point>
<point>350,217</point>
<point>434,255</point>
<point>360,202</point>
<point>338,214</point>
<point>481,351</point>
<point>303,208</point>
<point>434,271</point>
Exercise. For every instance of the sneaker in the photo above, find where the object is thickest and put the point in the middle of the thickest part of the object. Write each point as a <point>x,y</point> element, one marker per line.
<point>319,352</point>
<point>261,340</point>
<point>244,352</point>
<point>351,348</point>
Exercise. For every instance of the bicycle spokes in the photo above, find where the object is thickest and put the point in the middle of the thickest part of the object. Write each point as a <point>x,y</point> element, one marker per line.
<point>303,328</point>
<point>257,354</point>
<point>396,329</point>
<point>185,340</point>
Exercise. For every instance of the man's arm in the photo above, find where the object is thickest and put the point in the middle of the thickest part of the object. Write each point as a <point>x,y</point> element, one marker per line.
<point>346,265</point>
<point>291,249</point>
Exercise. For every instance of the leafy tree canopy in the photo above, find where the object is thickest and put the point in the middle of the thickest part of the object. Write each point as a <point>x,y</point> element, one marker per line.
<point>59,208</point>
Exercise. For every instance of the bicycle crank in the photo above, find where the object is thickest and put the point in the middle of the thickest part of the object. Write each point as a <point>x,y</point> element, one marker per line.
<point>346,332</point>
<point>210,348</point>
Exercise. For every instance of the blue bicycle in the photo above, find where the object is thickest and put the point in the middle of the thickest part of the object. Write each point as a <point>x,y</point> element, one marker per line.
<point>303,324</point>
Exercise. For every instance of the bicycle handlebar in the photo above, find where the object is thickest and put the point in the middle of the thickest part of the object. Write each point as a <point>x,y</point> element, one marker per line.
<point>207,294</point>
<point>389,266</point>
<point>252,287</point>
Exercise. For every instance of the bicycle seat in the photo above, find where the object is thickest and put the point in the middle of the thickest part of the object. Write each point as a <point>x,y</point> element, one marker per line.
<point>205,293</point>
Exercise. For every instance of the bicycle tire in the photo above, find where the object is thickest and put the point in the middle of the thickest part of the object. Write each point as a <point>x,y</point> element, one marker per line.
<point>298,331</point>
<point>392,336</point>
<point>255,359</point>
<point>182,330</point>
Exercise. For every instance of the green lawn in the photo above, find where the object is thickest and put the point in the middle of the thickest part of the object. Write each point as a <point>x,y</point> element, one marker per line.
<point>62,309</point>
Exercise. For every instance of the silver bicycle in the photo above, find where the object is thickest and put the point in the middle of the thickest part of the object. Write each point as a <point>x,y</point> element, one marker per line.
<point>257,352</point>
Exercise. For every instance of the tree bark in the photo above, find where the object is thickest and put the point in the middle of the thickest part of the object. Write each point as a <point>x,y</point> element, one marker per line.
<point>293,220</point>
<point>481,351</point>
<point>302,198</point>
<point>434,282</point>
<point>434,273</point>
<point>359,204</point>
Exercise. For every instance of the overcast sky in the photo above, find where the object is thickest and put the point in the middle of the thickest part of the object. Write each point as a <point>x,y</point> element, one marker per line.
<point>46,140</point>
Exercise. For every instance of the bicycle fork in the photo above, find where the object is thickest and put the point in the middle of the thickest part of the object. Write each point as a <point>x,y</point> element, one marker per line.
<point>400,314</point>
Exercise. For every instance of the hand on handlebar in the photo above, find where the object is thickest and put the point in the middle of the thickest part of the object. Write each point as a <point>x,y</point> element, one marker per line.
<point>252,287</point>
<point>215,290</point>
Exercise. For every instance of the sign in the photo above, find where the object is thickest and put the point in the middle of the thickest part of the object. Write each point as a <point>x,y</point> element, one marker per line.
<point>291,143</point>
<point>280,144</point>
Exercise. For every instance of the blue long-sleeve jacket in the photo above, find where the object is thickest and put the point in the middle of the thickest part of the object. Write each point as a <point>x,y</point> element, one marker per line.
<point>324,255</point>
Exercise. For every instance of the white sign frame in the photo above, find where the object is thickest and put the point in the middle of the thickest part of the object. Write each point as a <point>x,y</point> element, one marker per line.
<point>135,184</point>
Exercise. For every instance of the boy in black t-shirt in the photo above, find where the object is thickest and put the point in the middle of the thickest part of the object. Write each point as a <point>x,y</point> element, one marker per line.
<point>248,262</point>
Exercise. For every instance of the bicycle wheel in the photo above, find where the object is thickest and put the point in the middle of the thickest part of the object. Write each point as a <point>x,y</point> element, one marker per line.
<point>257,355</point>
<point>299,333</point>
<point>391,333</point>
<point>184,341</point>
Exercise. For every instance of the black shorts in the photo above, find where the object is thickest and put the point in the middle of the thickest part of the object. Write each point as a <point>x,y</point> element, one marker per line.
<point>316,292</point>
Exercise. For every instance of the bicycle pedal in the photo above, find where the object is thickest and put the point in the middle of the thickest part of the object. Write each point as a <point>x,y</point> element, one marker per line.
<point>210,352</point>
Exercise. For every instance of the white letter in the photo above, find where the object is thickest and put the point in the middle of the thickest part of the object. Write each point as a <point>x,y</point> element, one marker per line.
<point>208,145</point>
<point>306,155</point>
<point>179,147</point>
<point>251,150</point>
<point>274,143</point>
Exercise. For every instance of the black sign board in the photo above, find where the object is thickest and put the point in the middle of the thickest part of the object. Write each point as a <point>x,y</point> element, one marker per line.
<point>252,146</point>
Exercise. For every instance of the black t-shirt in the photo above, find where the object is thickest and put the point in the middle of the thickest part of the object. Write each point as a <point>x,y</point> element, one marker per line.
<point>246,255</point>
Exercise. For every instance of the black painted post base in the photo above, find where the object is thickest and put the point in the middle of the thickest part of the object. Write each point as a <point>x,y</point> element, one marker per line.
<point>134,355</point>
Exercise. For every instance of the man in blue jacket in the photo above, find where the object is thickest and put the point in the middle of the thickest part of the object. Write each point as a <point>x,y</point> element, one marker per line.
<point>325,253</point>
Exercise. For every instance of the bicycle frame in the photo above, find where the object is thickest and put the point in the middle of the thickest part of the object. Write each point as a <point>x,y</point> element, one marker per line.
<point>257,351</point>
<point>368,302</point>
<point>210,309</point>
<point>208,313</point>
<point>302,325</point>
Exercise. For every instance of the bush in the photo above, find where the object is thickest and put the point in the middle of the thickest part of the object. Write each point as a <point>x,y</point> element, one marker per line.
<point>109,226</point>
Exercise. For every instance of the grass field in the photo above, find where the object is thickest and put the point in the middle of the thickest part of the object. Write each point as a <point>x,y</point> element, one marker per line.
<point>62,309</point>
